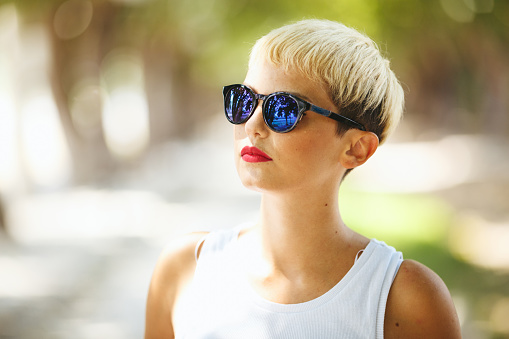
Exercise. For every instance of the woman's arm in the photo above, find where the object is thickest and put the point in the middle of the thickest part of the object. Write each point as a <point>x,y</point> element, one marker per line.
<point>173,271</point>
<point>420,306</point>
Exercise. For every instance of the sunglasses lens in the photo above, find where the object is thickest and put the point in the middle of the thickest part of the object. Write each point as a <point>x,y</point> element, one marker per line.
<point>281,112</point>
<point>238,103</point>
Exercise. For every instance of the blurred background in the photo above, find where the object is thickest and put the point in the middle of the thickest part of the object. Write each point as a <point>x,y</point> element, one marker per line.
<point>113,141</point>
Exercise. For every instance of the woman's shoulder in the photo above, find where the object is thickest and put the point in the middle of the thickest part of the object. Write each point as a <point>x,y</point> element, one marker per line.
<point>174,269</point>
<point>420,305</point>
<point>177,260</point>
<point>181,250</point>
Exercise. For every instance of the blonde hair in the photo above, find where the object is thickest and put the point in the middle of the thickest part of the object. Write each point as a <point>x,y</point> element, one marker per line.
<point>349,64</point>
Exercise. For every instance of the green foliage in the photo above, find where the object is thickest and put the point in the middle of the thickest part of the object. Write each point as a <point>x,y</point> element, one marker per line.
<point>399,220</point>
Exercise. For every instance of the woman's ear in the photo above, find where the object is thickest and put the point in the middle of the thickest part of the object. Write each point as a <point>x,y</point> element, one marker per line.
<point>360,146</point>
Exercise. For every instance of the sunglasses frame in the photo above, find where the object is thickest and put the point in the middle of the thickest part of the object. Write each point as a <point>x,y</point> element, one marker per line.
<point>303,106</point>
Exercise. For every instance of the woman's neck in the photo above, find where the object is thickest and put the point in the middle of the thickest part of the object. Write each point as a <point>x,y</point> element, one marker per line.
<point>299,249</point>
<point>295,230</point>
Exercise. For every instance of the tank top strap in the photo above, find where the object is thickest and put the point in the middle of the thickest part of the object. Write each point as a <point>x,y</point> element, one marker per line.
<point>216,241</point>
<point>392,268</point>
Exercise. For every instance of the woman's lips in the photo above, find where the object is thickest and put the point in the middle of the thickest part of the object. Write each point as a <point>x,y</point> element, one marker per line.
<point>253,154</point>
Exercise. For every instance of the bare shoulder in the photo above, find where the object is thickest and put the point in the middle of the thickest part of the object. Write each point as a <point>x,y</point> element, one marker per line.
<point>174,268</point>
<point>420,305</point>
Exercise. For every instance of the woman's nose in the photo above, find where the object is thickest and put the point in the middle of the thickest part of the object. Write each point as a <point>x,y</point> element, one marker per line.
<point>256,126</point>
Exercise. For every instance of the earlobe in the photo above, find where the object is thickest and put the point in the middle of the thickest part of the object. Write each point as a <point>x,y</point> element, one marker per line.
<point>361,146</point>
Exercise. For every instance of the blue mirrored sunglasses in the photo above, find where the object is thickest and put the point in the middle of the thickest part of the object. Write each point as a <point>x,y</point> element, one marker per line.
<point>281,111</point>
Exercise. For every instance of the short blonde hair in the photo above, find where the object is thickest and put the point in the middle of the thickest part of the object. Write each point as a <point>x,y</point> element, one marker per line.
<point>349,64</point>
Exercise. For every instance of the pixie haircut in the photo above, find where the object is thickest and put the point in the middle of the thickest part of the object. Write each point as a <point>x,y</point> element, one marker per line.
<point>357,77</point>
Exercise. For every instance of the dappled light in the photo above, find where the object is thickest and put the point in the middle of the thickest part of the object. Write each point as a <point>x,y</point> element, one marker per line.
<point>465,10</point>
<point>423,166</point>
<point>125,116</point>
<point>43,146</point>
<point>72,18</point>
<point>480,241</point>
<point>85,109</point>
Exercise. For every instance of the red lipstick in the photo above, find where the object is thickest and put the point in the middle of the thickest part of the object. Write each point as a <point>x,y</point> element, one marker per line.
<point>253,154</point>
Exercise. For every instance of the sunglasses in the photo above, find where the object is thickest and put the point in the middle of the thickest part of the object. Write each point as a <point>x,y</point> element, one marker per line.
<point>281,111</point>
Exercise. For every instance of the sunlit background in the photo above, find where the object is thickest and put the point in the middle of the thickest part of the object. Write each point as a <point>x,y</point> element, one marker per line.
<point>113,141</point>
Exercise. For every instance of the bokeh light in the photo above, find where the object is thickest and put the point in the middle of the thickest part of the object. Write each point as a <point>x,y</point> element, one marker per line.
<point>72,18</point>
<point>43,144</point>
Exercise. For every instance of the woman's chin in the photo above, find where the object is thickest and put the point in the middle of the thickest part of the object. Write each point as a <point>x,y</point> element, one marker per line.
<point>251,185</point>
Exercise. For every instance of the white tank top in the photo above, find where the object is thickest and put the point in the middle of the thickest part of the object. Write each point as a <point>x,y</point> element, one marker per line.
<point>221,304</point>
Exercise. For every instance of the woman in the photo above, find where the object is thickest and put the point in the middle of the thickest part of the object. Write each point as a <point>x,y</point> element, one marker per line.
<point>317,100</point>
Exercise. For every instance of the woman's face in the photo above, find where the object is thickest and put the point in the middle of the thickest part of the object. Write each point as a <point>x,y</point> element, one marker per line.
<point>306,158</point>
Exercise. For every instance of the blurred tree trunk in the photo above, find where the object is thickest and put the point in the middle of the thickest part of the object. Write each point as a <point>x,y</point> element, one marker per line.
<point>178,102</point>
<point>169,92</point>
<point>75,60</point>
<point>175,102</point>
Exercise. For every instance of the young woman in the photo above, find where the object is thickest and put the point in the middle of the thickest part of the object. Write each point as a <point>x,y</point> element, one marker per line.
<point>317,100</point>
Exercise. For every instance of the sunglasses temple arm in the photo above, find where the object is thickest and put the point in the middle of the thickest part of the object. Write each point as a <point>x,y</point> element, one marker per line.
<point>337,117</point>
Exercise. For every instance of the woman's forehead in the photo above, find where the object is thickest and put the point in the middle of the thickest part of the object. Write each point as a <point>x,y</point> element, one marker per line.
<point>264,78</point>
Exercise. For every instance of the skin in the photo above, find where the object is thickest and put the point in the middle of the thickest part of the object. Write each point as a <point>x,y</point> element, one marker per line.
<point>301,247</point>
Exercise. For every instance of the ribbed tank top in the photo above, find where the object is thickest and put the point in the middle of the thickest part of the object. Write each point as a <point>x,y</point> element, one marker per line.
<point>221,304</point>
